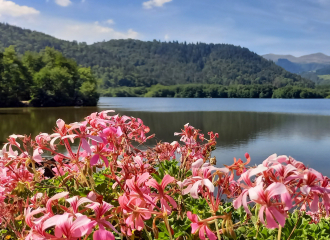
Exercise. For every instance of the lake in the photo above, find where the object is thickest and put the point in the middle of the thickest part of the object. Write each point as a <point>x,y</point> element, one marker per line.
<point>296,127</point>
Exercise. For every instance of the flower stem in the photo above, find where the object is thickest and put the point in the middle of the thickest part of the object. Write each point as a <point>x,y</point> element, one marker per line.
<point>295,226</point>
<point>217,228</point>
<point>279,232</point>
<point>145,229</point>
<point>168,227</point>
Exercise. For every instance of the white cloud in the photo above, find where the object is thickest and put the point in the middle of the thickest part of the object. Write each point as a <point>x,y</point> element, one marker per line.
<point>155,3</point>
<point>166,37</point>
<point>91,33</point>
<point>83,1</point>
<point>63,3</point>
<point>110,21</point>
<point>9,8</point>
<point>69,29</point>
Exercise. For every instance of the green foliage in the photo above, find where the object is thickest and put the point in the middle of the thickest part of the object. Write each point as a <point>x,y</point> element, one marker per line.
<point>297,226</point>
<point>15,79</point>
<point>45,79</point>
<point>218,91</point>
<point>297,92</point>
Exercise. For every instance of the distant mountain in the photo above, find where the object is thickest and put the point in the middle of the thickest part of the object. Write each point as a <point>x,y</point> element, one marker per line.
<point>320,76</point>
<point>311,58</point>
<point>135,63</point>
<point>306,63</point>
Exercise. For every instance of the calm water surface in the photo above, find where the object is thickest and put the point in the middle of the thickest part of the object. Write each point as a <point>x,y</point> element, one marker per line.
<point>299,128</point>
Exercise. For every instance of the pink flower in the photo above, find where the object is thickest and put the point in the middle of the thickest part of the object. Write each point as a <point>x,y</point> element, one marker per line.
<point>65,226</point>
<point>264,198</point>
<point>137,210</point>
<point>75,202</point>
<point>55,197</point>
<point>242,198</point>
<point>37,225</point>
<point>201,177</point>
<point>200,226</point>
<point>100,210</point>
<point>99,152</point>
<point>102,234</point>
<point>164,198</point>
<point>136,185</point>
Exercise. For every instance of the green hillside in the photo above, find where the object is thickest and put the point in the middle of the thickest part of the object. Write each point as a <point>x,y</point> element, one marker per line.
<point>135,63</point>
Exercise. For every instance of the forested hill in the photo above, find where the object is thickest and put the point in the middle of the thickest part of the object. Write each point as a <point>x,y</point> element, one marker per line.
<point>137,63</point>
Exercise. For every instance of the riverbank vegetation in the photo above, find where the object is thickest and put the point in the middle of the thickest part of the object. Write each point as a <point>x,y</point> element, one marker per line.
<point>44,79</point>
<point>104,187</point>
<point>218,91</point>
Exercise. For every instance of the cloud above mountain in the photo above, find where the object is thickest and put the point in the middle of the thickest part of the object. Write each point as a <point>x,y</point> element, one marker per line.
<point>63,3</point>
<point>9,8</point>
<point>155,3</point>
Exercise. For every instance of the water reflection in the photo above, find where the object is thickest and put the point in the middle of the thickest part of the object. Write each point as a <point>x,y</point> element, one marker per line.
<point>234,128</point>
<point>305,137</point>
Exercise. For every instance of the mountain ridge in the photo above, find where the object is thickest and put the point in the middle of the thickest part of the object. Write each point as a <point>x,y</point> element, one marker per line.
<point>309,58</point>
<point>136,63</point>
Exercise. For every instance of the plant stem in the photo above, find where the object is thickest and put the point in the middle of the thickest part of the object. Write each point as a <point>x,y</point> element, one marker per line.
<point>257,228</point>
<point>279,232</point>
<point>145,229</point>
<point>295,226</point>
<point>217,228</point>
<point>168,227</point>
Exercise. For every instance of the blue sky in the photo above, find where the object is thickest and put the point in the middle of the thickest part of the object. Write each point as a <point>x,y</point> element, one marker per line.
<point>294,27</point>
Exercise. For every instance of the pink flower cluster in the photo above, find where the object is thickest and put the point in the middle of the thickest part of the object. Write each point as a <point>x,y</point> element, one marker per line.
<point>111,143</point>
<point>280,184</point>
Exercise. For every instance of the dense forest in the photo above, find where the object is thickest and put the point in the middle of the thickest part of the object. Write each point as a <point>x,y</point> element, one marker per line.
<point>44,79</point>
<point>135,63</point>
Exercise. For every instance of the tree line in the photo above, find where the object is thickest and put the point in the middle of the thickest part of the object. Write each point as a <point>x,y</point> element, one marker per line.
<point>218,91</point>
<point>46,78</point>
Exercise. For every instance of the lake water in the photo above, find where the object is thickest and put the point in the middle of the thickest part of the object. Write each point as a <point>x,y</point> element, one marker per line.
<point>295,127</point>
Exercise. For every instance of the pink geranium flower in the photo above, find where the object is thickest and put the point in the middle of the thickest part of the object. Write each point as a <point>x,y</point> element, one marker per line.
<point>100,210</point>
<point>161,195</point>
<point>201,177</point>
<point>137,211</point>
<point>242,198</point>
<point>66,226</point>
<point>201,227</point>
<point>269,207</point>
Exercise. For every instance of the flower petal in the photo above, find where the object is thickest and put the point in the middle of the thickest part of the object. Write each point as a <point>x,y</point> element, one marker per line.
<point>314,205</point>
<point>102,234</point>
<point>94,159</point>
<point>280,218</point>
<point>86,146</point>
<point>270,220</point>
<point>276,189</point>
<point>167,180</point>
<point>198,163</point>
<point>209,185</point>
<point>210,234</point>
<point>194,189</point>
